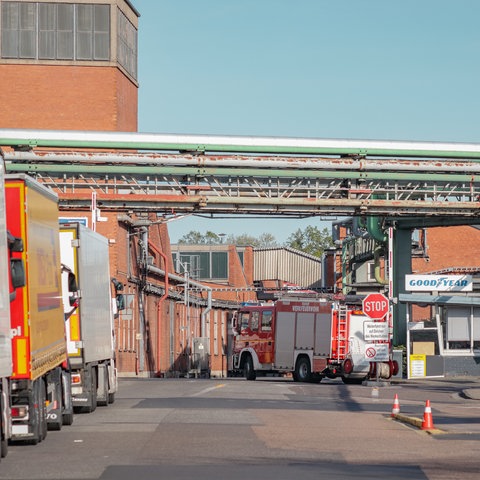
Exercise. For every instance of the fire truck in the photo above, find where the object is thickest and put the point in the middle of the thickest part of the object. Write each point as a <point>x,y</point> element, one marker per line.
<point>309,339</point>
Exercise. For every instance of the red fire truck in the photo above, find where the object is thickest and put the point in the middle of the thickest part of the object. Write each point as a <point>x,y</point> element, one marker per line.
<point>311,339</point>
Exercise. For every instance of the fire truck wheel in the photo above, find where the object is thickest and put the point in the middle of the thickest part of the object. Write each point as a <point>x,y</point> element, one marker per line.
<point>303,372</point>
<point>248,369</point>
<point>348,366</point>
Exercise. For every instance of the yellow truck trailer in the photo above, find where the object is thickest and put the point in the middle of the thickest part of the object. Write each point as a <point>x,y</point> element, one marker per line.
<point>40,387</point>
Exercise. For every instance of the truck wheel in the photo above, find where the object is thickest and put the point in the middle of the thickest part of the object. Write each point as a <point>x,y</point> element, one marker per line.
<point>43,410</point>
<point>4,439</point>
<point>68,418</point>
<point>57,425</point>
<point>4,447</point>
<point>303,371</point>
<point>67,413</point>
<point>94,390</point>
<point>34,408</point>
<point>248,369</point>
<point>102,400</point>
<point>39,418</point>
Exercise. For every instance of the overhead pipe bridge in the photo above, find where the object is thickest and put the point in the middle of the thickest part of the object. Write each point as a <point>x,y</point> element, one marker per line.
<point>261,176</point>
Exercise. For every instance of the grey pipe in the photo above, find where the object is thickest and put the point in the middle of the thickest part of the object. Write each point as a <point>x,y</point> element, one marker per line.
<point>223,143</point>
<point>202,161</point>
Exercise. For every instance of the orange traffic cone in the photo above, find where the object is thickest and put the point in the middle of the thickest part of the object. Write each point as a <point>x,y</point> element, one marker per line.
<point>427,423</point>
<point>396,406</point>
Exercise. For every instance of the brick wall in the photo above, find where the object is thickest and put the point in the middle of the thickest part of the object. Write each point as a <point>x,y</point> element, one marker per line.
<point>67,97</point>
<point>449,247</point>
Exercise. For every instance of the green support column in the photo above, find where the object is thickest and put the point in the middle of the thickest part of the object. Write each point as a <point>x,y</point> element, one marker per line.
<point>402,265</point>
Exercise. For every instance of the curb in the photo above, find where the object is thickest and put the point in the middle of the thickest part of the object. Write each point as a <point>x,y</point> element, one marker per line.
<point>472,393</point>
<point>416,422</point>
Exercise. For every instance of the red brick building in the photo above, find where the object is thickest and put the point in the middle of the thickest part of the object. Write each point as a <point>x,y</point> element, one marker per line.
<point>72,65</point>
<point>69,65</point>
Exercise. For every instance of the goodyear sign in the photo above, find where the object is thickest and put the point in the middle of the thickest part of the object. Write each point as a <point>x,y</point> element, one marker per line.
<point>439,283</point>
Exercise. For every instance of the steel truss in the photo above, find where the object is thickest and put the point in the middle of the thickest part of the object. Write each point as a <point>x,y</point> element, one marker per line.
<point>279,184</point>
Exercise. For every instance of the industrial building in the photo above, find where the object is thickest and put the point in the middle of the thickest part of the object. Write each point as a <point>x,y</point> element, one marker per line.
<point>72,65</point>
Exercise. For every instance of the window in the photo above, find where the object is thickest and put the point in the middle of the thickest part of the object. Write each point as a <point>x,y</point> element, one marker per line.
<point>64,32</point>
<point>127,45</point>
<point>219,265</point>
<point>55,31</point>
<point>240,256</point>
<point>18,30</point>
<point>461,328</point>
<point>244,321</point>
<point>254,321</point>
<point>47,19</point>
<point>92,25</point>
<point>371,271</point>
<point>202,265</point>
<point>267,321</point>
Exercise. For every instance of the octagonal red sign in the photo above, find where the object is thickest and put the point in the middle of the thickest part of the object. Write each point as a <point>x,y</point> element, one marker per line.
<point>375,305</point>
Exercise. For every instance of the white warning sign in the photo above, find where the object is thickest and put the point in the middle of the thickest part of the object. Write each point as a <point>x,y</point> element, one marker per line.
<point>375,331</point>
<point>377,352</point>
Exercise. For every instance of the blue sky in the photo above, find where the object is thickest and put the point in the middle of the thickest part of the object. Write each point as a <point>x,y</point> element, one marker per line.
<point>360,69</point>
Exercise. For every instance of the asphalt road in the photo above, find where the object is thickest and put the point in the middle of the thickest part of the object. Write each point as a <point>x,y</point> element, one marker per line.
<point>271,428</point>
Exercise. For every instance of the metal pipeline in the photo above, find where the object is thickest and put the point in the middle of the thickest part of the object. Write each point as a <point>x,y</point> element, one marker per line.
<point>375,230</point>
<point>218,143</point>
<point>242,161</point>
<point>167,276</point>
<point>160,301</point>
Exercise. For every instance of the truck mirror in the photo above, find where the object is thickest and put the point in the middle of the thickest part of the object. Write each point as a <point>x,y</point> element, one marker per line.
<point>234,324</point>
<point>117,285</point>
<point>72,282</point>
<point>15,244</point>
<point>74,301</point>
<point>120,302</point>
<point>17,272</point>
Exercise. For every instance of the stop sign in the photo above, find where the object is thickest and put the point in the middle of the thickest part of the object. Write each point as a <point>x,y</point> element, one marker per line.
<point>375,305</point>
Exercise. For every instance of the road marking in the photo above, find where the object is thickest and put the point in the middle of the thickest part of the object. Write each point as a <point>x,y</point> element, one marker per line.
<point>206,390</point>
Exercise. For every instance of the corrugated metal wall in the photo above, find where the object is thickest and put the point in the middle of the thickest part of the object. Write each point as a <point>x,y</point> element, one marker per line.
<point>289,265</point>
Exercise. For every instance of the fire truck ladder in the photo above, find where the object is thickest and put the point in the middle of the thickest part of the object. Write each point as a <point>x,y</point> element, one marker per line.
<point>342,332</point>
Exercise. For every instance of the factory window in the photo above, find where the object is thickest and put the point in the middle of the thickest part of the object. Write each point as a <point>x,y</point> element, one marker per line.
<point>202,265</point>
<point>55,31</point>
<point>371,272</point>
<point>127,45</point>
<point>461,328</point>
<point>92,24</point>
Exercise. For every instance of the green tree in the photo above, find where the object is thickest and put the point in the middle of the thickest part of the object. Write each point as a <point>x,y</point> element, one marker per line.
<point>311,240</point>
<point>265,240</point>
<point>194,237</point>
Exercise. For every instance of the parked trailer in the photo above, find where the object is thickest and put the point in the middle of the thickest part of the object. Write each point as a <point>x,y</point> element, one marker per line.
<point>12,276</point>
<point>90,338</point>
<point>311,339</point>
<point>40,393</point>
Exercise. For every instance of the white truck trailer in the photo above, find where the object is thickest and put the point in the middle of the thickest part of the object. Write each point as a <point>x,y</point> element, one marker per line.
<point>90,330</point>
